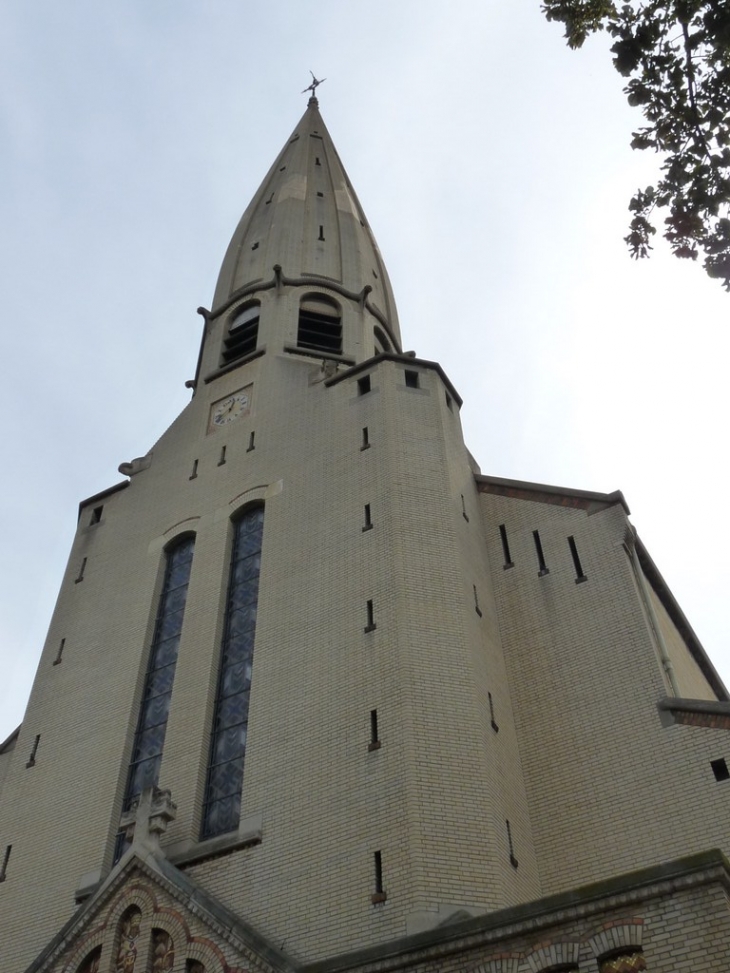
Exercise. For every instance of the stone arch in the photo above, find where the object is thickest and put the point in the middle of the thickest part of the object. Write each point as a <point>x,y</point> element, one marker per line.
<point>504,963</point>
<point>616,936</point>
<point>90,963</point>
<point>87,944</point>
<point>554,958</point>
<point>162,951</point>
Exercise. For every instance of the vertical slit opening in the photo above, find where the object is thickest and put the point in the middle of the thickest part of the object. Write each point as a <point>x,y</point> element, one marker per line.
<point>512,860</point>
<point>508,563</point>
<point>4,866</point>
<point>222,460</point>
<point>579,575</point>
<point>374,738</point>
<point>379,893</point>
<point>540,556</point>
<point>368,520</point>
<point>477,609</point>
<point>491,713</point>
<point>33,752</point>
<point>370,617</point>
<point>464,514</point>
<point>365,444</point>
<point>80,576</point>
<point>251,442</point>
<point>59,655</point>
<point>195,470</point>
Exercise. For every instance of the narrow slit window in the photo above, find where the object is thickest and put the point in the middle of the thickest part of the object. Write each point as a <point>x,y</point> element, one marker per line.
<point>96,515</point>
<point>508,563</point>
<point>195,470</point>
<point>412,379</point>
<point>374,738</point>
<point>270,199</point>
<point>4,866</point>
<point>363,385</point>
<point>464,514</point>
<point>251,444</point>
<point>316,161</point>
<point>543,568</point>
<point>320,324</point>
<point>321,195</point>
<point>222,807</point>
<point>59,654</point>
<point>368,518</point>
<point>222,460</point>
<point>82,569</point>
<point>243,332</point>
<point>491,713</point>
<point>365,443</point>
<point>477,609</point>
<point>512,860</point>
<point>321,233</point>
<point>33,752</point>
<point>379,893</point>
<point>149,739</point>
<point>370,626</point>
<point>579,574</point>
<point>255,246</point>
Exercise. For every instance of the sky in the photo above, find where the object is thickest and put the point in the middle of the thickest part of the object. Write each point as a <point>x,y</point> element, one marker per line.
<point>495,169</point>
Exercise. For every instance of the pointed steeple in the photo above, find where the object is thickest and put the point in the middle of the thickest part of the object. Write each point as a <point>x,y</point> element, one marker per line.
<point>306,219</point>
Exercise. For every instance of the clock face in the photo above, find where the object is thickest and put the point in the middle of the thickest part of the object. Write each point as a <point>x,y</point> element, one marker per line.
<point>232,407</point>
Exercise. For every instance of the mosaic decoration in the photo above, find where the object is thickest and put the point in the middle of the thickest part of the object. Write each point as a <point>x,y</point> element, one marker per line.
<point>163,951</point>
<point>128,936</point>
<point>150,737</point>
<point>228,748</point>
<point>193,966</point>
<point>626,963</point>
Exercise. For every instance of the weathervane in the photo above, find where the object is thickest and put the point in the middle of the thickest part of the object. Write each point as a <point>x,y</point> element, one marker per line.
<point>313,86</point>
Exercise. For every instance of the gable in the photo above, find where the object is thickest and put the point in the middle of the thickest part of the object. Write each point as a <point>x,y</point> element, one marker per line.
<point>149,916</point>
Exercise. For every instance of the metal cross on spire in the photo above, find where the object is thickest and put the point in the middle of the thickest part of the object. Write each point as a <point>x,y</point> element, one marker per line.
<point>313,86</point>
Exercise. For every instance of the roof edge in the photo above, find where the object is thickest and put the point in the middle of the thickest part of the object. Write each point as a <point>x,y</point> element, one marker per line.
<point>610,499</point>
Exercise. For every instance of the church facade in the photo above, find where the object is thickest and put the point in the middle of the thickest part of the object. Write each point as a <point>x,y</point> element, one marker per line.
<point>318,695</point>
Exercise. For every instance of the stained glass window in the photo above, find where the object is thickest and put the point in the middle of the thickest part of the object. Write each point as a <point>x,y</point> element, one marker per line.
<point>144,769</point>
<point>222,808</point>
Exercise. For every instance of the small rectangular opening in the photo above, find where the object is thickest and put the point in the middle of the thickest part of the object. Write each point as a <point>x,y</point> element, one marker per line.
<point>222,460</point>
<point>251,445</point>
<point>374,738</point>
<point>720,769</point>
<point>370,626</point>
<point>508,563</point>
<point>195,470</point>
<point>579,575</point>
<point>379,893</point>
<point>321,232</point>
<point>363,385</point>
<point>411,379</point>
<point>368,520</point>
<point>540,556</point>
<point>80,576</point>
<point>316,161</point>
<point>321,195</point>
<point>464,514</point>
<point>365,444</point>
<point>96,515</point>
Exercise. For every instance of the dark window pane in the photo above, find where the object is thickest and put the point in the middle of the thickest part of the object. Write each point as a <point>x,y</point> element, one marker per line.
<point>142,775</point>
<point>229,744</point>
<point>246,569</point>
<point>155,710</point>
<point>225,779</point>
<point>234,679</point>
<point>242,620</point>
<point>238,648</point>
<point>233,710</point>
<point>170,625</point>
<point>160,680</point>
<point>150,741</point>
<point>165,653</point>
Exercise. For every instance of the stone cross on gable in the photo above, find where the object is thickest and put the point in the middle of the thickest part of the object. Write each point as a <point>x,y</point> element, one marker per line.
<point>148,818</point>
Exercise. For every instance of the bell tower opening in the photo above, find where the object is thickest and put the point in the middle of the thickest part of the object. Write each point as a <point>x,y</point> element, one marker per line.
<point>320,324</point>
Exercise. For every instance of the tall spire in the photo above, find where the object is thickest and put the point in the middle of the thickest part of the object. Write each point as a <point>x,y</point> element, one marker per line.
<point>306,218</point>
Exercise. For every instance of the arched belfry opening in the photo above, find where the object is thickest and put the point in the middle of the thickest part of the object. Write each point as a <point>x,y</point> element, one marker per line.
<point>320,324</point>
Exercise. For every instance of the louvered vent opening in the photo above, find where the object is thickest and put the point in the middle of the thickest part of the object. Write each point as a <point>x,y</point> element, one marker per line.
<point>242,334</point>
<point>320,326</point>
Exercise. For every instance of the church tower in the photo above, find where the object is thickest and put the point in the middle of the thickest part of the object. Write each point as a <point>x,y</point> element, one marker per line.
<point>317,694</point>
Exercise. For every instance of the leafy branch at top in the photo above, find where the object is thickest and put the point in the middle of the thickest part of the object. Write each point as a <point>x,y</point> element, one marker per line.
<point>676,55</point>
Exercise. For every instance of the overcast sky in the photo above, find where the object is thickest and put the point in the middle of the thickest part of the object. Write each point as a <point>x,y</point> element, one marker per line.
<point>494,167</point>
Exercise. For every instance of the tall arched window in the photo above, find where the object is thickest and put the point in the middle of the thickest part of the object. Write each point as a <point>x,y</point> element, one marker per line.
<point>320,324</point>
<point>144,769</point>
<point>222,808</point>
